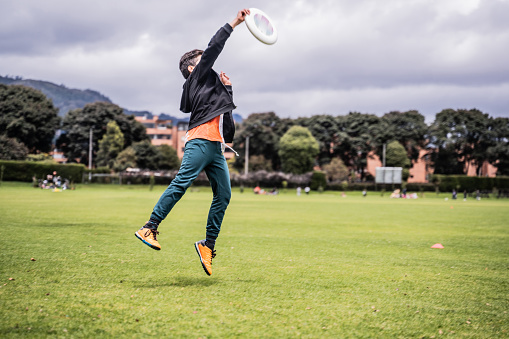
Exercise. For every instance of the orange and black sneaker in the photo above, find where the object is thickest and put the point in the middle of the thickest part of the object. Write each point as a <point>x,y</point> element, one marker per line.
<point>148,236</point>
<point>206,255</point>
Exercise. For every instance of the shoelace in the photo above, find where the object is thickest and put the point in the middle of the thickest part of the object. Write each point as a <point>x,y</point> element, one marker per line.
<point>208,256</point>
<point>154,233</point>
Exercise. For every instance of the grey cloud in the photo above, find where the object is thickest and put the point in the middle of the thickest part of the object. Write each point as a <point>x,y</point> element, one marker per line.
<point>490,18</point>
<point>332,56</point>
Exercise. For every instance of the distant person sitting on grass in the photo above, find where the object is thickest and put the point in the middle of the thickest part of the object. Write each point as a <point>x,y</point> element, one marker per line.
<point>208,96</point>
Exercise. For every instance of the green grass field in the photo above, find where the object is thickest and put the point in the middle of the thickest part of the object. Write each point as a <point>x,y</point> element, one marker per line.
<point>310,266</point>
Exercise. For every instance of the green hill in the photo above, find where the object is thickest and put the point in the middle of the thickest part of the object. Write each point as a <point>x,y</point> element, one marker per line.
<point>65,99</point>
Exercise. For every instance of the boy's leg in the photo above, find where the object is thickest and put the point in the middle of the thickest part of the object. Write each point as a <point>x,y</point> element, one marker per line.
<point>219,177</point>
<point>194,160</point>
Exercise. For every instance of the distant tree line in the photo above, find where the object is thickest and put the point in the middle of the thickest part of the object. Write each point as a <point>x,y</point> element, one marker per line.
<point>340,145</point>
<point>29,122</point>
<point>455,140</point>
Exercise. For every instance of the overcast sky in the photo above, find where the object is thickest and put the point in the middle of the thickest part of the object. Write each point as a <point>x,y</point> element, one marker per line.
<point>332,57</point>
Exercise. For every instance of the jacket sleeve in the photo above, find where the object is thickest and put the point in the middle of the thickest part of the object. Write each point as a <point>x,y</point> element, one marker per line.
<point>228,122</point>
<point>212,52</point>
<point>229,88</point>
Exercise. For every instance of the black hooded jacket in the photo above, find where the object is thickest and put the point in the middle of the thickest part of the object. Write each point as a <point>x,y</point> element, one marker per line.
<point>203,93</point>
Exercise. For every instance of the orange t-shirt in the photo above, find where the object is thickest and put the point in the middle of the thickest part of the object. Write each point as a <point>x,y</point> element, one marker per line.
<point>208,131</point>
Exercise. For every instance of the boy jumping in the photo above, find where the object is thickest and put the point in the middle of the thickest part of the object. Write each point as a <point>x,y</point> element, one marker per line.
<point>208,97</point>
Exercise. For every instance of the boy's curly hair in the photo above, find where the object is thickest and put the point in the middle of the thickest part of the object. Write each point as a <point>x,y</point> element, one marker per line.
<point>189,59</point>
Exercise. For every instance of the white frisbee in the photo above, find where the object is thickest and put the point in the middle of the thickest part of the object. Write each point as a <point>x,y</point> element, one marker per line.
<point>261,26</point>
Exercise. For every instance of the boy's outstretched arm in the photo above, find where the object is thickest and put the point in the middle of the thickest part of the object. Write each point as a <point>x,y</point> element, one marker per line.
<point>241,16</point>
<point>216,45</point>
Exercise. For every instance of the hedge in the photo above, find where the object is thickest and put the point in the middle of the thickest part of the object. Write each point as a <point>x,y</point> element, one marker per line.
<point>420,187</point>
<point>25,170</point>
<point>318,180</point>
<point>270,179</point>
<point>447,183</point>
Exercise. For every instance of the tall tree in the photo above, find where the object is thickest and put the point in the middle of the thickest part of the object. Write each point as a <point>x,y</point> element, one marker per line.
<point>359,135</point>
<point>408,128</point>
<point>110,145</point>
<point>77,124</point>
<point>445,160</point>
<point>264,131</point>
<point>168,158</point>
<point>397,157</point>
<point>147,156</point>
<point>12,149</point>
<point>126,159</point>
<point>259,163</point>
<point>467,132</point>
<point>298,149</point>
<point>498,153</point>
<point>325,130</point>
<point>28,116</point>
<point>336,170</point>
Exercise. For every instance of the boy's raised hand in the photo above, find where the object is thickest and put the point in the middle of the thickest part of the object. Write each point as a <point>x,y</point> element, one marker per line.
<point>241,16</point>
<point>225,79</point>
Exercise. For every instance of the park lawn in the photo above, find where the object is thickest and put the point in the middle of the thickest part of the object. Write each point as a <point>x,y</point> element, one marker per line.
<point>313,266</point>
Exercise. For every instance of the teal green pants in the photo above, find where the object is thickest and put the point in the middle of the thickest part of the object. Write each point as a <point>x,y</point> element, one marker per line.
<point>199,155</point>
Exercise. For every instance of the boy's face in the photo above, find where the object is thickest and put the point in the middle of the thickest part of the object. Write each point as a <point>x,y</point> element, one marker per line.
<point>191,68</point>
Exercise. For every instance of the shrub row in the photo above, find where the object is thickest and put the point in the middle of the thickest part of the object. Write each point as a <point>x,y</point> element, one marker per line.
<point>261,178</point>
<point>25,170</point>
<point>420,187</point>
<point>371,186</point>
<point>316,179</point>
<point>271,179</point>
<point>447,183</point>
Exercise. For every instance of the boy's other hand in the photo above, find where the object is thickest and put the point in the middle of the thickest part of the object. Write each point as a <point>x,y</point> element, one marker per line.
<point>241,16</point>
<point>225,79</point>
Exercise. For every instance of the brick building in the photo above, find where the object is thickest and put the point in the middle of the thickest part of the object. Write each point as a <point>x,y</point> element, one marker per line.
<point>421,169</point>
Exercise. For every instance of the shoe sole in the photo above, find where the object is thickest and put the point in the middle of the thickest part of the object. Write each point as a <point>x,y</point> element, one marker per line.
<point>201,260</point>
<point>147,243</point>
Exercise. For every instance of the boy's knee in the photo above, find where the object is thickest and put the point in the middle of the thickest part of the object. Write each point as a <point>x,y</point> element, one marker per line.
<point>226,196</point>
<point>182,183</point>
<point>223,198</point>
